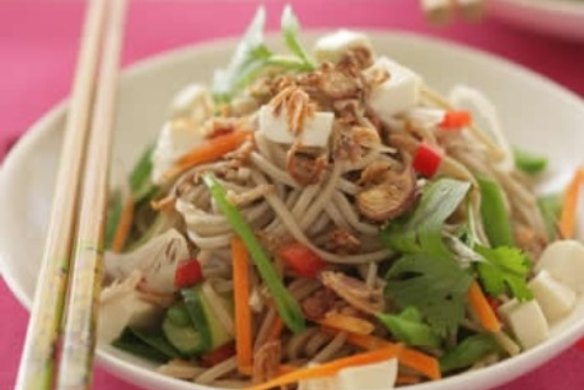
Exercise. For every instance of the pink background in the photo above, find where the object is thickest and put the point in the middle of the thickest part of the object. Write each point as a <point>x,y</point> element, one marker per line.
<point>38,43</point>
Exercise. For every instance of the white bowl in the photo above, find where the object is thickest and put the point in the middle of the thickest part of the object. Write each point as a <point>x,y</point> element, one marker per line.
<point>564,18</point>
<point>537,113</point>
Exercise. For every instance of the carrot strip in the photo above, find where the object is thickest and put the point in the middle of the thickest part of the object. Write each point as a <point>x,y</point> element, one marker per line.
<point>480,306</point>
<point>243,332</point>
<point>124,226</point>
<point>287,368</point>
<point>347,323</point>
<point>567,223</point>
<point>276,330</point>
<point>331,368</point>
<point>208,151</point>
<point>407,379</point>
<point>411,358</point>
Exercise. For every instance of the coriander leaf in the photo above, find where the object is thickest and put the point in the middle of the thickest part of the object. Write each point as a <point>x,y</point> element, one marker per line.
<point>423,231</point>
<point>494,214</point>
<point>528,162</point>
<point>290,29</point>
<point>468,352</point>
<point>250,48</point>
<point>409,328</point>
<point>504,269</point>
<point>436,286</point>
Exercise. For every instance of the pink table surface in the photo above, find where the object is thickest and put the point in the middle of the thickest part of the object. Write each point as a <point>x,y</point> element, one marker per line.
<point>38,43</point>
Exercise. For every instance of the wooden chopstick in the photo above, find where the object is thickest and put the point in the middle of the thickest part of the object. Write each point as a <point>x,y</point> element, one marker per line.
<point>79,335</point>
<point>47,361</point>
<point>37,364</point>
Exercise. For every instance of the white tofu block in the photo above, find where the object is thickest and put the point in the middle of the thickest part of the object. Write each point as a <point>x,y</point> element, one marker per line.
<point>564,260</point>
<point>316,132</point>
<point>555,299</point>
<point>376,376</point>
<point>193,102</point>
<point>331,47</point>
<point>317,384</point>
<point>527,321</point>
<point>399,93</point>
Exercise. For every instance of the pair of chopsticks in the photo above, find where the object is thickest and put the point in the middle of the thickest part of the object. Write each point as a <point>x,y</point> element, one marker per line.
<point>444,11</point>
<point>59,347</point>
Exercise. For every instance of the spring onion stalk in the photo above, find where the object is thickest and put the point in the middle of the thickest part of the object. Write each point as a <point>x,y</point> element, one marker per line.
<point>409,328</point>
<point>468,352</point>
<point>288,308</point>
<point>528,162</point>
<point>494,214</point>
<point>551,209</point>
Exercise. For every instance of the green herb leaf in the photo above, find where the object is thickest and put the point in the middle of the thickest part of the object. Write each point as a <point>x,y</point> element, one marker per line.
<point>436,286</point>
<point>290,29</point>
<point>114,213</point>
<point>140,183</point>
<point>468,352</point>
<point>129,342</point>
<point>550,207</point>
<point>529,162</point>
<point>494,214</point>
<point>423,231</point>
<point>409,328</point>
<point>504,269</point>
<point>251,48</point>
<point>286,304</point>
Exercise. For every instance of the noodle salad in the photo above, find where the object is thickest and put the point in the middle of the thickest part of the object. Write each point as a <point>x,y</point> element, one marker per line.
<point>326,220</point>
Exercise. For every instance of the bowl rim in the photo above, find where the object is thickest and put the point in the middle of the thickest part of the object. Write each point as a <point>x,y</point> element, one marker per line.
<point>570,8</point>
<point>117,365</point>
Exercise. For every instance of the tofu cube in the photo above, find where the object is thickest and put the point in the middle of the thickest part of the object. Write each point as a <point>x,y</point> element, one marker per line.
<point>527,321</point>
<point>564,260</point>
<point>555,299</point>
<point>399,93</point>
<point>376,376</point>
<point>331,47</point>
<point>316,132</point>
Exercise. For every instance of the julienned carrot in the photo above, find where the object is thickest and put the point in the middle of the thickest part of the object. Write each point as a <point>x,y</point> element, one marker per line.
<point>347,323</point>
<point>407,379</point>
<point>568,217</point>
<point>480,306</point>
<point>276,330</point>
<point>243,333</point>
<point>210,150</point>
<point>331,368</point>
<point>411,358</point>
<point>124,226</point>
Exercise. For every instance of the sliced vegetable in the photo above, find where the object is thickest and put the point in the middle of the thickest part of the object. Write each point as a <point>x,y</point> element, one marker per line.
<point>114,213</point>
<point>494,214</point>
<point>210,150</point>
<point>188,273</point>
<point>427,160</point>
<point>192,338</point>
<point>568,217</point>
<point>290,30</point>
<point>529,162</point>
<point>302,260</point>
<point>482,309</point>
<point>411,358</point>
<point>330,368</point>
<point>468,352</point>
<point>156,340</point>
<point>504,270</point>
<point>243,331</point>
<point>551,209</point>
<point>347,323</point>
<point>288,308</point>
<point>129,342</point>
<point>456,120</point>
<point>276,330</point>
<point>435,286</point>
<point>422,232</point>
<point>219,333</point>
<point>140,177</point>
<point>124,226</point>
<point>409,328</point>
